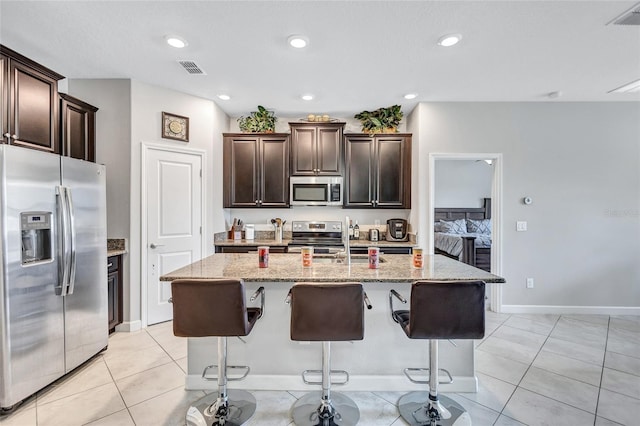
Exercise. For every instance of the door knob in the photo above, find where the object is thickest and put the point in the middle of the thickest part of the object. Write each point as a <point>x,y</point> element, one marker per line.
<point>154,245</point>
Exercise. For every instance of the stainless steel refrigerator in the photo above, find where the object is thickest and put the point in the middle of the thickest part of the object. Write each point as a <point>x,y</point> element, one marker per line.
<point>53,282</point>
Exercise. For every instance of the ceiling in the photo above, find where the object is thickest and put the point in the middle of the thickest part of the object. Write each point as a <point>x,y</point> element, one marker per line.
<point>361,55</point>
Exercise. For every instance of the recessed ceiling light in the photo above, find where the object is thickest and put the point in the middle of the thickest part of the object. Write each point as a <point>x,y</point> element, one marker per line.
<point>632,87</point>
<point>175,41</point>
<point>298,41</point>
<point>224,97</point>
<point>554,95</point>
<point>449,40</point>
<point>411,96</point>
<point>307,97</point>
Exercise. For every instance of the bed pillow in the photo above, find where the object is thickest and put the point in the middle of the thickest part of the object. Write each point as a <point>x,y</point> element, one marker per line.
<point>437,227</point>
<point>458,226</point>
<point>482,226</point>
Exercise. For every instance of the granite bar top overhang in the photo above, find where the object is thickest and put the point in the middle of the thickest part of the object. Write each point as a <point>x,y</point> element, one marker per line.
<point>288,268</point>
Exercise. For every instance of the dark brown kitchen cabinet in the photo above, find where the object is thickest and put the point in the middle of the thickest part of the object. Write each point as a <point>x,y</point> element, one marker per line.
<point>77,128</point>
<point>29,103</point>
<point>114,291</point>
<point>378,171</point>
<point>316,149</point>
<point>256,169</point>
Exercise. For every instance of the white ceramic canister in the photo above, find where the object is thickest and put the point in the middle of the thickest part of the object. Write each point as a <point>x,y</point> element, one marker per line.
<point>249,231</point>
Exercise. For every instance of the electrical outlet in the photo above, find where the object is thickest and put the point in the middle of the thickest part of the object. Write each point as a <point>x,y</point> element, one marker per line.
<point>521,226</point>
<point>529,282</point>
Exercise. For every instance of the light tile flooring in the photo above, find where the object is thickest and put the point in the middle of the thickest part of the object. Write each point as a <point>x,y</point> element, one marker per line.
<point>533,370</point>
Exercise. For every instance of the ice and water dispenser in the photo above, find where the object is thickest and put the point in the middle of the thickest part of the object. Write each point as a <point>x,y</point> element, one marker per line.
<point>36,237</point>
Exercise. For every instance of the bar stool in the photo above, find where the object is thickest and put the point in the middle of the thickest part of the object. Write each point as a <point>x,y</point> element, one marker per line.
<point>207,308</point>
<point>439,310</point>
<point>326,312</point>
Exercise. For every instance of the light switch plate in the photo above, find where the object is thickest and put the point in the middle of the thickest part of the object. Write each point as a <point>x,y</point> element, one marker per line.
<point>521,226</point>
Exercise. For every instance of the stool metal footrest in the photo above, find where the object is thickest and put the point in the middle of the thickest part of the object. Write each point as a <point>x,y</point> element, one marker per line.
<point>212,410</point>
<point>229,367</point>
<point>313,410</point>
<point>407,372</point>
<point>418,409</point>
<point>319,372</point>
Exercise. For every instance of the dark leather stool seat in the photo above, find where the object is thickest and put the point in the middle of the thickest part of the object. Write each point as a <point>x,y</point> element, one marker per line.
<point>439,310</point>
<point>326,312</point>
<point>206,308</point>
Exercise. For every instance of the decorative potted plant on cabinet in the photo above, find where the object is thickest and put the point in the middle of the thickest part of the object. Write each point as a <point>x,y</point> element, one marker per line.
<point>382,120</point>
<point>260,121</point>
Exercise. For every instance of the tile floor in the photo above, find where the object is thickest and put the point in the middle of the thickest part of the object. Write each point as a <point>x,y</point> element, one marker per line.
<point>533,370</point>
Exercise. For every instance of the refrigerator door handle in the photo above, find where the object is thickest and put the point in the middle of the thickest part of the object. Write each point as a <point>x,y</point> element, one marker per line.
<point>72,251</point>
<point>61,208</point>
<point>64,238</point>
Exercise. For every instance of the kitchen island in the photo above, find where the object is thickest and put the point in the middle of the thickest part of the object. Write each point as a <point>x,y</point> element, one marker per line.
<point>375,363</point>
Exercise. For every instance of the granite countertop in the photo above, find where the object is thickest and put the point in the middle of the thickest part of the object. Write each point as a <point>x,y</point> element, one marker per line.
<point>249,243</point>
<point>285,242</point>
<point>116,246</point>
<point>288,267</point>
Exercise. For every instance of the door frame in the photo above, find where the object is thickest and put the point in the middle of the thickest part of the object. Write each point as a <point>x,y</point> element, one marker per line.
<point>146,148</point>
<point>496,212</point>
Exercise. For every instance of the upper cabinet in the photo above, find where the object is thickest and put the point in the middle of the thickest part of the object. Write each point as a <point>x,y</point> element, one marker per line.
<point>316,149</point>
<point>28,103</point>
<point>256,170</point>
<point>77,128</point>
<point>378,171</point>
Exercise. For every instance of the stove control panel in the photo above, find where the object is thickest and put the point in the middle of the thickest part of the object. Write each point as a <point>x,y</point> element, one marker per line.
<point>319,227</point>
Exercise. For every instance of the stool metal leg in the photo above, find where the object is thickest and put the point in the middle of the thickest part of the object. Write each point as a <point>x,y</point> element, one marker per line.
<point>431,409</point>
<point>325,408</point>
<point>227,407</point>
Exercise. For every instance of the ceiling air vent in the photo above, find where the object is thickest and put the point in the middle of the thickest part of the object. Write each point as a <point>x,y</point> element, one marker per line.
<point>191,67</point>
<point>630,17</point>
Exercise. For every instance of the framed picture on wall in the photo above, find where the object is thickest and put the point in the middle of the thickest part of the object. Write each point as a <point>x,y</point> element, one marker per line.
<point>175,127</point>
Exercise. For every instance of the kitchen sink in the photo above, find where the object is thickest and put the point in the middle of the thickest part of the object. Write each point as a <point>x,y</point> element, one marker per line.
<point>342,260</point>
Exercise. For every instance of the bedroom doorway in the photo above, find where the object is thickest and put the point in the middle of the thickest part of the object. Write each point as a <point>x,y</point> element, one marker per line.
<point>459,184</point>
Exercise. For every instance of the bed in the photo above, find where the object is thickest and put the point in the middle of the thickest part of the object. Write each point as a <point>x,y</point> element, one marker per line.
<point>464,234</point>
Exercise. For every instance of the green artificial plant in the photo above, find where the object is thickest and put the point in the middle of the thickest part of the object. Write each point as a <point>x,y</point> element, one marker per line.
<point>382,120</point>
<point>260,121</point>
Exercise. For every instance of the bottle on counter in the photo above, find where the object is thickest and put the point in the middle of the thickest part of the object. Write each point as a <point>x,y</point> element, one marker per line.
<point>356,231</point>
<point>350,230</point>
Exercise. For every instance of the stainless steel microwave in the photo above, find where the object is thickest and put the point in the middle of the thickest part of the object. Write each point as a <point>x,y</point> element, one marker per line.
<point>316,190</point>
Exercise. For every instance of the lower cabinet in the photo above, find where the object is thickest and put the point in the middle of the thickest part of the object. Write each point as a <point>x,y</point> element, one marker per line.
<point>114,286</point>
<point>383,250</point>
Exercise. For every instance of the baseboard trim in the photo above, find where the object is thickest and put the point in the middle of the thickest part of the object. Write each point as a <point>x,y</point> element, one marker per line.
<point>356,383</point>
<point>559,310</point>
<point>129,326</point>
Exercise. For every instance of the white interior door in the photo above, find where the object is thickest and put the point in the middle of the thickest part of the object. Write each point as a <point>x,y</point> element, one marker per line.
<point>174,222</point>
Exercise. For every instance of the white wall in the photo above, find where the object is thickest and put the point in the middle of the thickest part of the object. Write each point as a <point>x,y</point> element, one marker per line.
<point>206,124</point>
<point>580,163</point>
<point>113,135</point>
<point>113,141</point>
<point>130,113</point>
<point>462,183</point>
<point>282,125</point>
